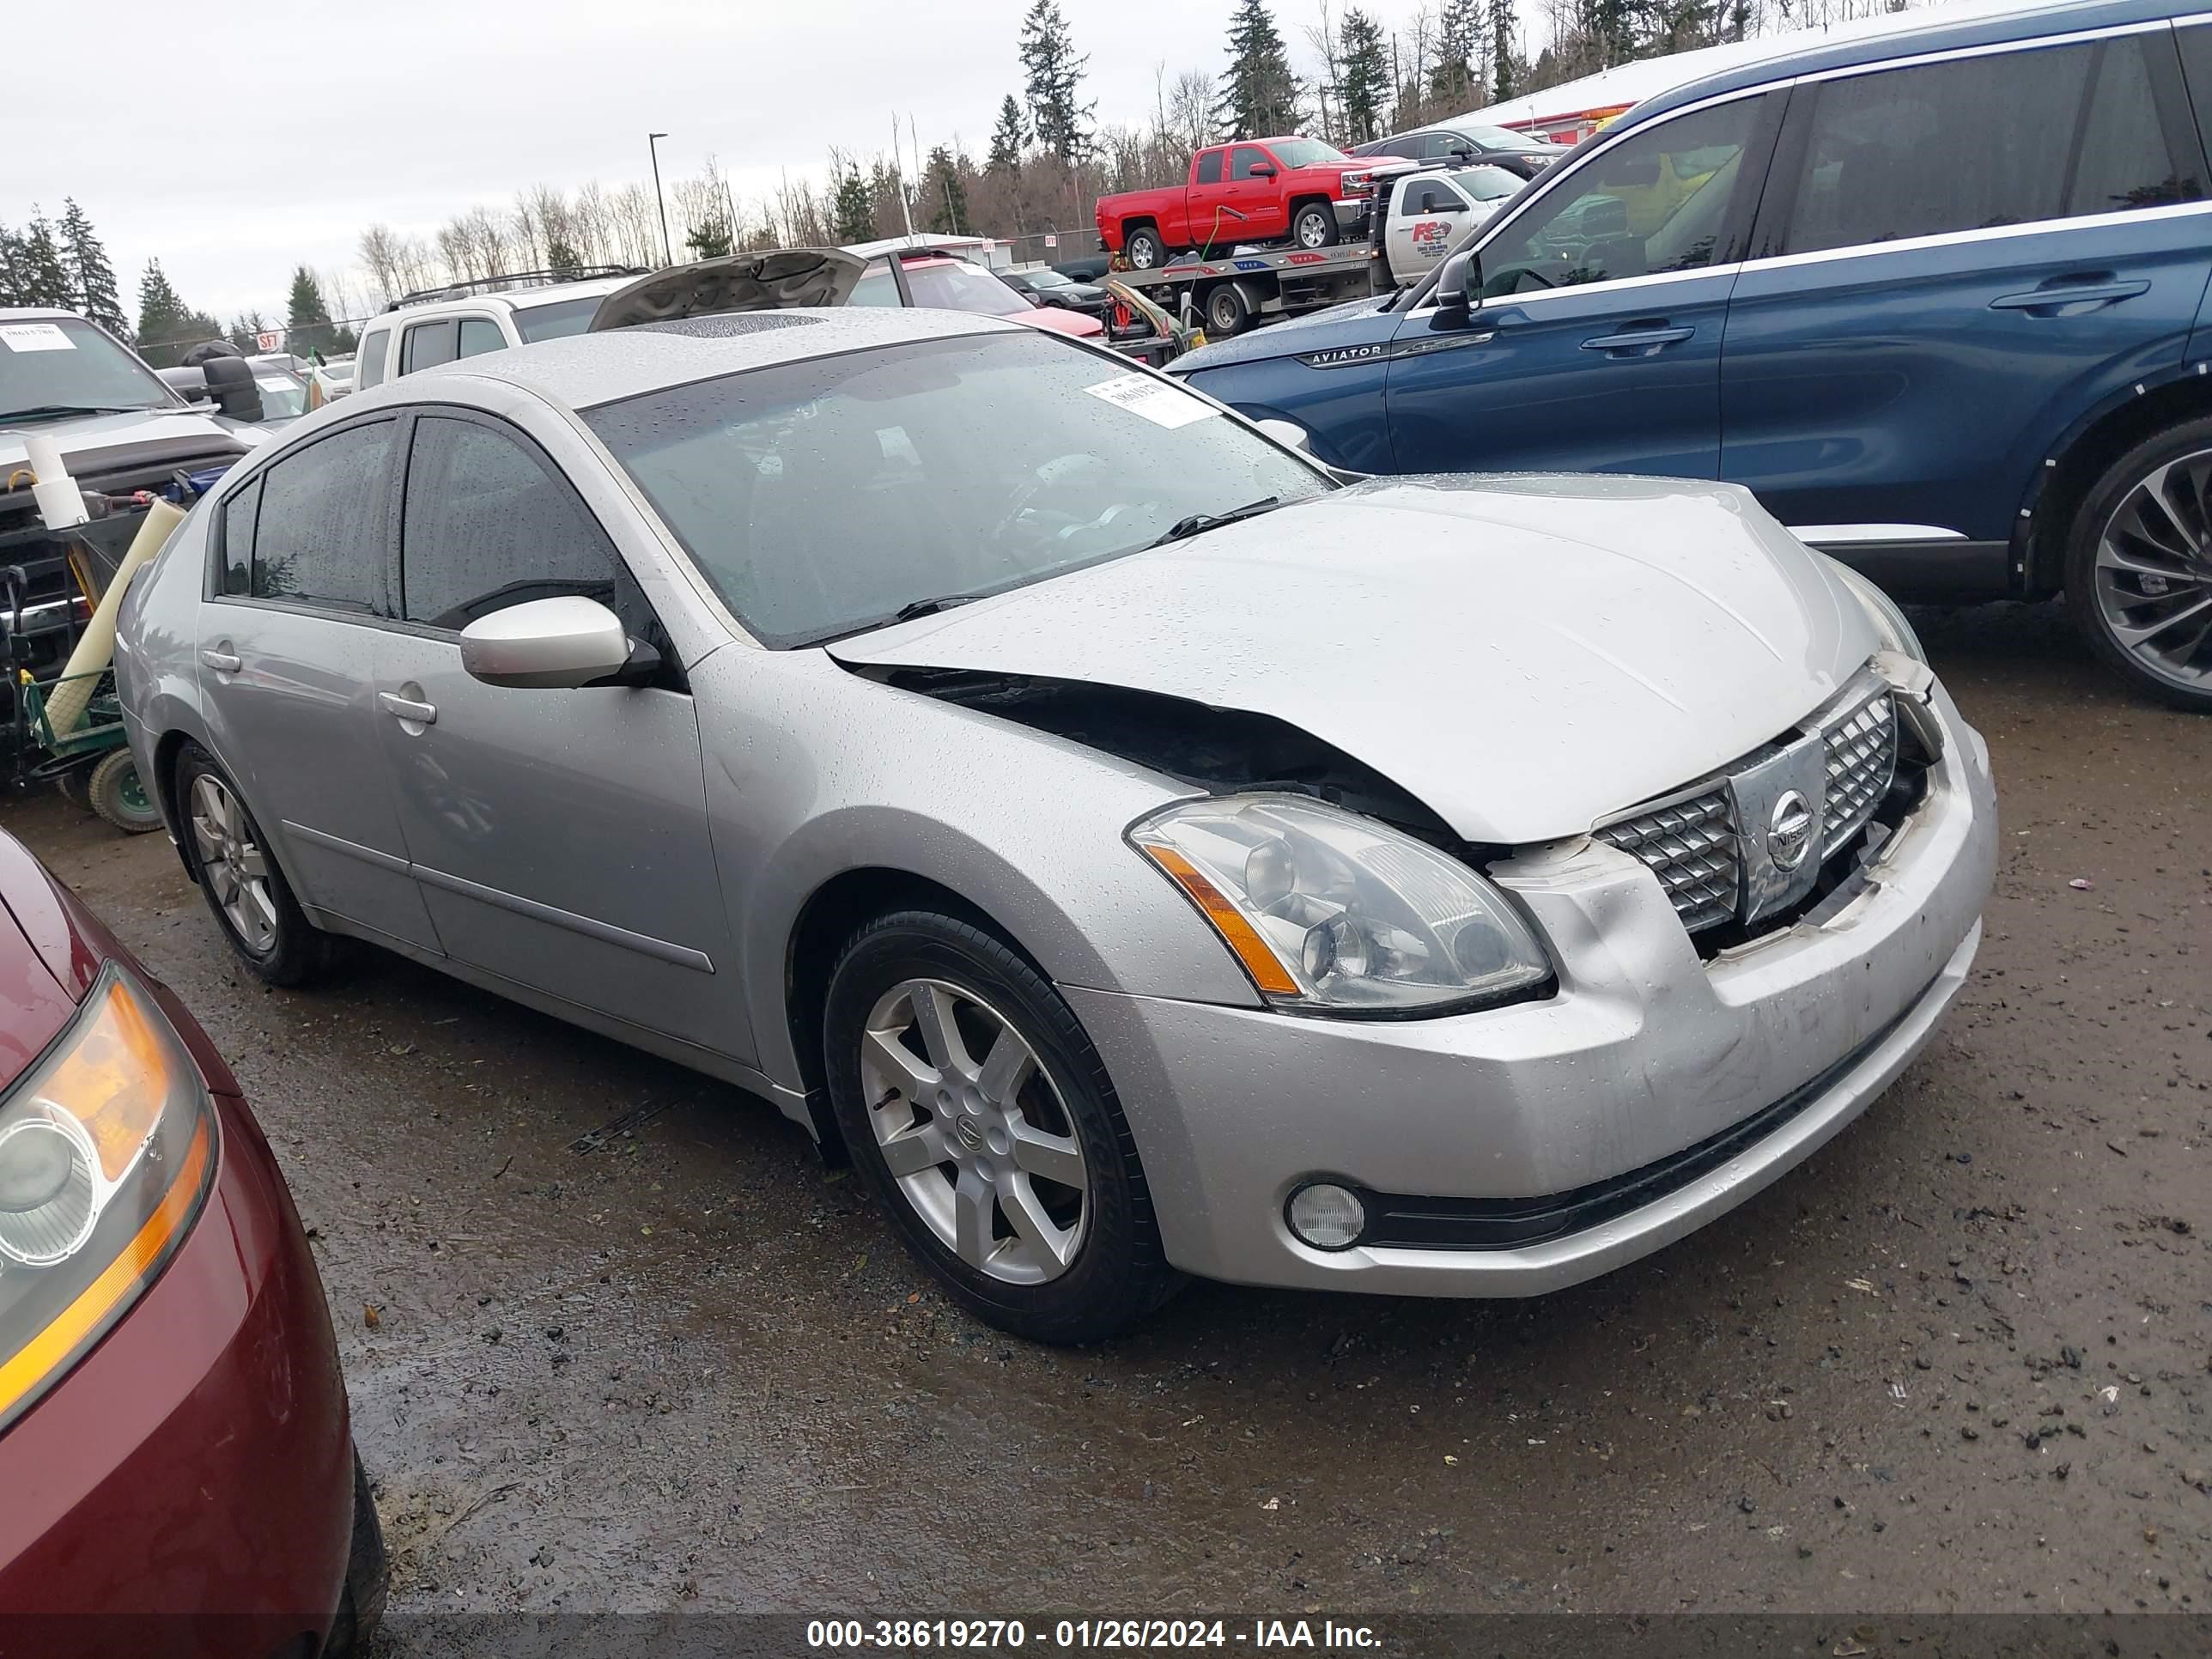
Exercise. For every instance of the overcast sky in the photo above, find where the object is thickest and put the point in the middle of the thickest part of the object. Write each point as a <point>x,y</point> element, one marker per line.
<point>268,134</point>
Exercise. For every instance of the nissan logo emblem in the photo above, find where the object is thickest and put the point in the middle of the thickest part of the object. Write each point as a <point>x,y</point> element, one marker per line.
<point>1789,831</point>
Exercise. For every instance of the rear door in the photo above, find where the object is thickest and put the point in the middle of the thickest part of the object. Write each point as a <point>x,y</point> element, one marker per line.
<point>288,651</point>
<point>427,344</point>
<point>1956,260</point>
<point>559,837</point>
<point>1596,345</point>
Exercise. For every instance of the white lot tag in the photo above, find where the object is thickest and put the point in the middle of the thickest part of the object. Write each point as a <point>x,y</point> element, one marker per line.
<point>1140,394</point>
<point>271,383</point>
<point>34,337</point>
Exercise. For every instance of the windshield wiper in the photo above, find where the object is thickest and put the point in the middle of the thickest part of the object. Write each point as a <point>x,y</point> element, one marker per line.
<point>47,412</point>
<point>1198,523</point>
<point>908,611</point>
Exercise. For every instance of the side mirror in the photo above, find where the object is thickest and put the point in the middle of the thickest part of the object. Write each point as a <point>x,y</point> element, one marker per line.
<point>560,642</point>
<point>1289,433</point>
<point>230,382</point>
<point>1263,171</point>
<point>1460,283</point>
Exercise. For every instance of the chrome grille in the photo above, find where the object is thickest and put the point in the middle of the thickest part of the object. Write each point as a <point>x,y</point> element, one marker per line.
<point>1861,757</point>
<point>1691,846</point>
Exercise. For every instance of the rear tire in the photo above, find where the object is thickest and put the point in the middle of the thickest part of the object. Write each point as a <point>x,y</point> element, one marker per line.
<point>1018,1183</point>
<point>1226,312</point>
<point>1313,225</point>
<point>368,1577</point>
<point>1146,250</point>
<point>115,790</point>
<point>2138,580</point>
<point>238,875</point>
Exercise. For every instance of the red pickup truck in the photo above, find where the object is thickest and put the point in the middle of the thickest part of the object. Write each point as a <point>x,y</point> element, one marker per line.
<point>1261,190</point>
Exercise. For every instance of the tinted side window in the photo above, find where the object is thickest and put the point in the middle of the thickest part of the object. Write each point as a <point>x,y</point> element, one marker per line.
<point>876,286</point>
<point>1437,146</point>
<point>426,345</point>
<point>486,525</point>
<point>371,358</point>
<point>1657,201</point>
<point>320,536</point>
<point>2196,45</point>
<point>1986,142</point>
<point>480,335</point>
<point>238,511</point>
<point>1246,158</point>
<point>1209,166</point>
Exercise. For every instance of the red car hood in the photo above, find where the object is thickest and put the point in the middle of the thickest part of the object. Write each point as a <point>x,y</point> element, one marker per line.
<point>1062,322</point>
<point>45,964</point>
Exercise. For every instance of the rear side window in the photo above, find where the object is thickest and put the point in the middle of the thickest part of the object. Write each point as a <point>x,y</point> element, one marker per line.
<point>1976,143</point>
<point>480,335</point>
<point>371,357</point>
<point>487,525</point>
<point>428,344</point>
<point>238,511</point>
<point>1209,168</point>
<point>320,538</point>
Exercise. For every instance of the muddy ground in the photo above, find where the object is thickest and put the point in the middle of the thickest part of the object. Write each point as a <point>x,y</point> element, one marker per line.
<point>616,1340</point>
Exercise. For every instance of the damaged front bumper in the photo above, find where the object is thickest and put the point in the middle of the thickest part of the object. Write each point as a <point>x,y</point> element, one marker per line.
<point>1522,1149</point>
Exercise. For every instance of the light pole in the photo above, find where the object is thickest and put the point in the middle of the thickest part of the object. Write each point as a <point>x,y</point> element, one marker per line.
<point>652,144</point>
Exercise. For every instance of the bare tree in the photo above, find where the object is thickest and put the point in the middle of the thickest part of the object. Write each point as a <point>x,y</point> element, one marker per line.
<point>1190,109</point>
<point>383,258</point>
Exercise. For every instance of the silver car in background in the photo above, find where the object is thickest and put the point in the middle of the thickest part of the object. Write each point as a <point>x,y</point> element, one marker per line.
<point>1143,850</point>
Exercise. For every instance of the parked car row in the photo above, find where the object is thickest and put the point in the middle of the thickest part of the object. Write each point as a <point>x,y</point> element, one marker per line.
<point>1937,297</point>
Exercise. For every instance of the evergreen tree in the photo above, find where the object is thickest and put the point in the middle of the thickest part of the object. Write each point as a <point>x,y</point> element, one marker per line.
<point>944,192</point>
<point>1456,82</point>
<point>243,329</point>
<point>14,280</point>
<point>1259,96</point>
<point>1363,79</point>
<point>307,329</point>
<point>45,279</point>
<point>710,241</point>
<point>93,278</point>
<point>561,255</point>
<point>852,208</point>
<point>1009,139</point>
<point>167,328</point>
<point>1055,70</point>
<point>1504,70</point>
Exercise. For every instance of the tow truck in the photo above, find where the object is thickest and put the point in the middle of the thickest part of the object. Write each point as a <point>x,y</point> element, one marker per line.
<point>1234,291</point>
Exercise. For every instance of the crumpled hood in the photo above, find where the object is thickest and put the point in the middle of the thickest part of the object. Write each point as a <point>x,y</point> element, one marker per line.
<point>1526,654</point>
<point>779,279</point>
<point>96,444</point>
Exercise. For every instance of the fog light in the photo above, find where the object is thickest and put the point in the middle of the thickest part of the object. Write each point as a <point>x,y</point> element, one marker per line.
<point>1327,1216</point>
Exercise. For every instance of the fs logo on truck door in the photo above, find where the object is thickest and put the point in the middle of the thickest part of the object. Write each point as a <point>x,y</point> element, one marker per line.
<point>1432,237</point>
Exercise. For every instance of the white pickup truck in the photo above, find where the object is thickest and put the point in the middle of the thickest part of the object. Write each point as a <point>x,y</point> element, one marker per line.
<point>1428,213</point>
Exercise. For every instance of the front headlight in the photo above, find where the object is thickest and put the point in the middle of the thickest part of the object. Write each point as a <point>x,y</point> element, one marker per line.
<point>1333,913</point>
<point>107,1152</point>
<point>1888,621</point>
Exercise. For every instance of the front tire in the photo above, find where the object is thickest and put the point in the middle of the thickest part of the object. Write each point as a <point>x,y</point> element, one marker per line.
<point>2139,566</point>
<point>1314,226</point>
<point>1146,250</point>
<point>976,1108</point>
<point>252,901</point>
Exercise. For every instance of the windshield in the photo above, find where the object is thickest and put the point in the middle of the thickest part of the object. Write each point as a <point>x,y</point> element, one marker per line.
<point>1501,139</point>
<point>65,362</point>
<point>1047,279</point>
<point>283,394</point>
<point>957,286</point>
<point>1305,152</point>
<point>1488,184</point>
<point>557,320</point>
<point>821,497</point>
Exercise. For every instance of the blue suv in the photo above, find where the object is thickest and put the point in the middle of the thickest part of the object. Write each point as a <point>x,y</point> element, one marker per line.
<point>1938,296</point>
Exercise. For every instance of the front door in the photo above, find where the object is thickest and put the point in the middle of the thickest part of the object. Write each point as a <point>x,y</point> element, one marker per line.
<point>1596,346</point>
<point>559,838</point>
<point>288,661</point>
<point>1258,199</point>
<point>1957,258</point>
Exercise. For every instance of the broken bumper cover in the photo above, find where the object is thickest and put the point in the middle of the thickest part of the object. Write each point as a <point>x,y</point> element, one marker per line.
<point>1522,1149</point>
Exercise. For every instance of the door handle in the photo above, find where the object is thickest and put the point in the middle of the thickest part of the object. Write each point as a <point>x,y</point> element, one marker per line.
<point>1639,342</point>
<point>406,708</point>
<point>222,662</point>
<point>2055,298</point>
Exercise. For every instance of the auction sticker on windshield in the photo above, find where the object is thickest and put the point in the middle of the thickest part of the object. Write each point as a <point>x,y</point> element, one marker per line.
<point>1155,400</point>
<point>34,337</point>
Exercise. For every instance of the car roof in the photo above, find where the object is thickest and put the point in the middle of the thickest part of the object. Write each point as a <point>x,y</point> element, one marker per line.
<point>583,370</point>
<point>521,298</point>
<point>38,315</point>
<point>1939,34</point>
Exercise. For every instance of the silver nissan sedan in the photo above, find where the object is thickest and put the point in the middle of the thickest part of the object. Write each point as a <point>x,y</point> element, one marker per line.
<point>1143,850</point>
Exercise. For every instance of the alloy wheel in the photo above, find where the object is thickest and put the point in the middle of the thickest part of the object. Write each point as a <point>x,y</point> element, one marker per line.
<point>233,863</point>
<point>975,1132</point>
<point>1312,232</point>
<point>2153,573</point>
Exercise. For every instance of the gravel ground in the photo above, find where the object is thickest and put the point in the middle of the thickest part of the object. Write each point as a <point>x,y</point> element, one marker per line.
<point>617,1341</point>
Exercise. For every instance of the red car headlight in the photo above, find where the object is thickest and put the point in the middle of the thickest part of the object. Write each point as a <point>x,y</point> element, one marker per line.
<point>107,1149</point>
